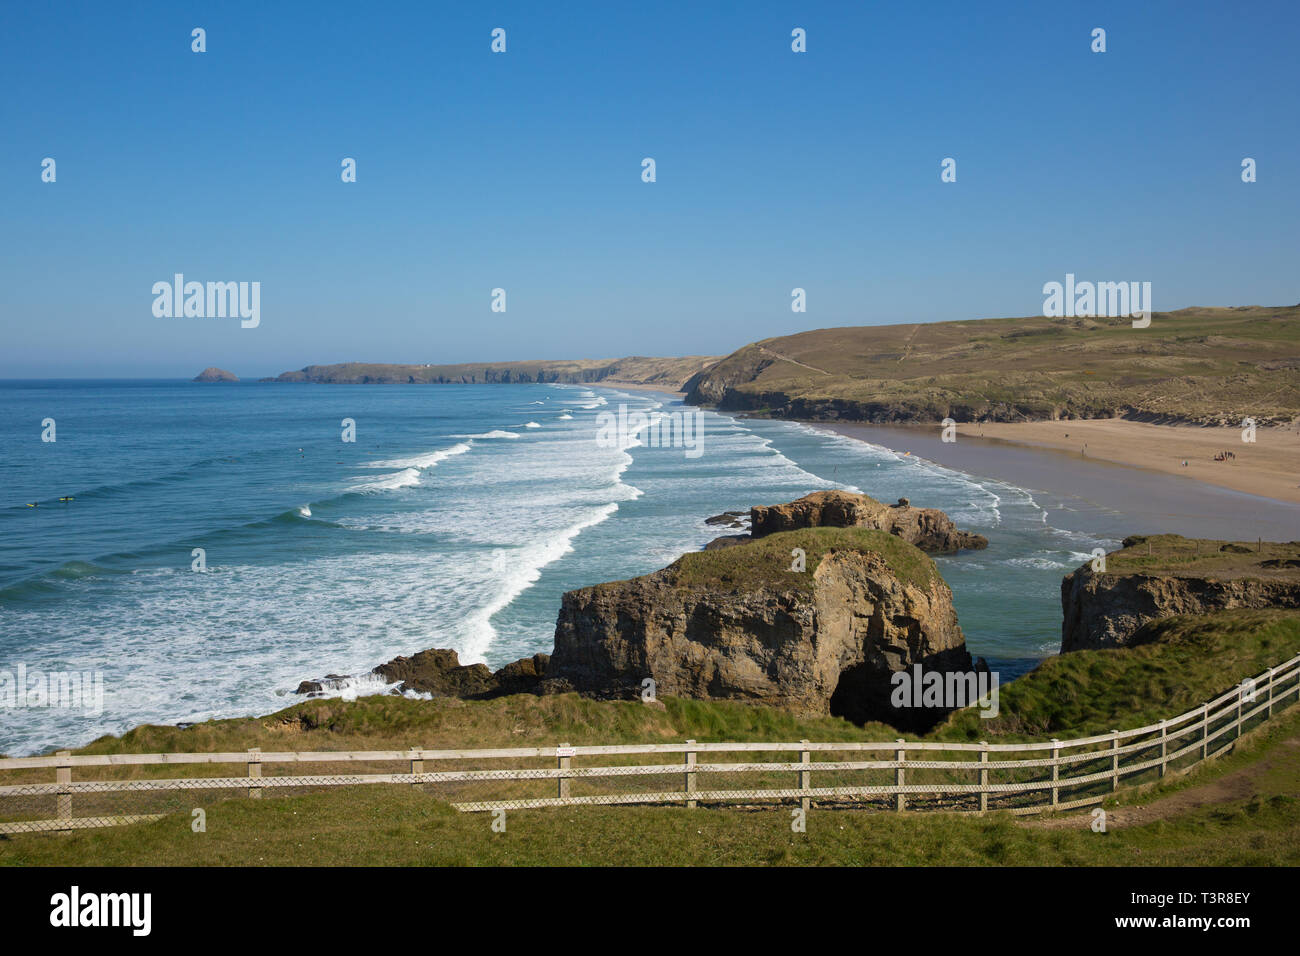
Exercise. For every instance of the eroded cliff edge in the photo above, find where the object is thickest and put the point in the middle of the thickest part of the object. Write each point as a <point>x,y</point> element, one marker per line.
<point>1159,576</point>
<point>927,528</point>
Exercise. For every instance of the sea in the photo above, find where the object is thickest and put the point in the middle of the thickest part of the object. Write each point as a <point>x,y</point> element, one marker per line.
<point>224,542</point>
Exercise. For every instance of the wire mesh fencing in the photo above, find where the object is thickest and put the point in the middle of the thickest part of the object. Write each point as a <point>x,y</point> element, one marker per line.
<point>105,790</point>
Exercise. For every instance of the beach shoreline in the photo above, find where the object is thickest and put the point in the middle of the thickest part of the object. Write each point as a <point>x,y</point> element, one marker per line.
<point>1143,491</point>
<point>1268,467</point>
<point>638,387</point>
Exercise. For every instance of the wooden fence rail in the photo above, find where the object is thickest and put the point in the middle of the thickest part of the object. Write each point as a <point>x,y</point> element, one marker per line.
<point>1036,775</point>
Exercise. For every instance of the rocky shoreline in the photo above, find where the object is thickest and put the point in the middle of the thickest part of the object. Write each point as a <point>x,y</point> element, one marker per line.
<point>814,611</point>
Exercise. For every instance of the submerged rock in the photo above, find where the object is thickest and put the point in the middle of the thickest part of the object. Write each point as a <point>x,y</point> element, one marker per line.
<point>439,672</point>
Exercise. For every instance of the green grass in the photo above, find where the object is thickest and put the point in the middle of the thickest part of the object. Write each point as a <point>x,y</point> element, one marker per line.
<point>1188,660</point>
<point>1174,554</point>
<point>397,826</point>
<point>766,562</point>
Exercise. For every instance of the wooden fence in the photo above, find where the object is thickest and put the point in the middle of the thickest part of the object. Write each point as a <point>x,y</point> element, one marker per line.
<point>1031,777</point>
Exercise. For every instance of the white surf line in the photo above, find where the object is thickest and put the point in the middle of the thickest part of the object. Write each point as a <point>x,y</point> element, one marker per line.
<point>934,467</point>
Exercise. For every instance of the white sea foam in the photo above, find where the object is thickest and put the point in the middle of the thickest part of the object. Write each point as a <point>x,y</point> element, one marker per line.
<point>427,460</point>
<point>399,479</point>
<point>495,433</point>
<point>517,570</point>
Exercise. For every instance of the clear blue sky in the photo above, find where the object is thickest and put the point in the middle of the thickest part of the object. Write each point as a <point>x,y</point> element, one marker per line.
<point>523,171</point>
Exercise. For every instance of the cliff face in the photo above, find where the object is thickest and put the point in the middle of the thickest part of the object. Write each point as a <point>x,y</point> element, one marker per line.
<point>736,624</point>
<point>1163,575</point>
<point>927,528</point>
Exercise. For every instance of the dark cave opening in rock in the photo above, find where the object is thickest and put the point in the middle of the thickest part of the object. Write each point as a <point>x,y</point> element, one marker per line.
<point>862,695</point>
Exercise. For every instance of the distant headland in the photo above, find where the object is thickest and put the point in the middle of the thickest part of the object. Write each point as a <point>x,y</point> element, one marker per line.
<point>668,374</point>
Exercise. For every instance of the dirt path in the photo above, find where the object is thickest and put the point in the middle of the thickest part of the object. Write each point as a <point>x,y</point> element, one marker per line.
<point>907,346</point>
<point>1238,785</point>
<point>786,358</point>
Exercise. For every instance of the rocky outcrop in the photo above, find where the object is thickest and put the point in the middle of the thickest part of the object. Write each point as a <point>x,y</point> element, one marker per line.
<point>214,374</point>
<point>439,672</point>
<point>736,624</point>
<point>1158,576</point>
<point>927,528</point>
<point>729,519</point>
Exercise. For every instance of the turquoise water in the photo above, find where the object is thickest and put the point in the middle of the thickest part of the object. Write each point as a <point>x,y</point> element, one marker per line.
<point>456,519</point>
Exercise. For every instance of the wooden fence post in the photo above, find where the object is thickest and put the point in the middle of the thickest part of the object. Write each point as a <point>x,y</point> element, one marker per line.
<point>984,776</point>
<point>254,772</point>
<point>417,765</point>
<point>63,774</point>
<point>690,774</point>
<point>1114,759</point>
<point>1056,770</point>
<point>563,763</point>
<point>1164,747</point>
<point>805,776</point>
<point>1205,730</point>
<point>1241,691</point>
<point>900,802</point>
<point>1269,711</point>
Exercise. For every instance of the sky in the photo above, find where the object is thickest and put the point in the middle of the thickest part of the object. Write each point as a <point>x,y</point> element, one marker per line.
<point>522,171</point>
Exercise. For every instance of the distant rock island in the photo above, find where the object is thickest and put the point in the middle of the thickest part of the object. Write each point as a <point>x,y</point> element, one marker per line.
<point>670,374</point>
<point>214,374</point>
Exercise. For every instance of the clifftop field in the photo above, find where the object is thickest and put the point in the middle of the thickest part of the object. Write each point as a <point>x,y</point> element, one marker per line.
<point>1198,365</point>
<point>1237,810</point>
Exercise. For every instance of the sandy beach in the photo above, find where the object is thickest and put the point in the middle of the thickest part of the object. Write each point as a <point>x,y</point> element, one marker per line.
<point>1131,479</point>
<point>637,387</point>
<point>1268,467</point>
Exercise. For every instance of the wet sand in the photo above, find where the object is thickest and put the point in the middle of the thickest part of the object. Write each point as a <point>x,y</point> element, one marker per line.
<point>1268,467</point>
<point>1096,495</point>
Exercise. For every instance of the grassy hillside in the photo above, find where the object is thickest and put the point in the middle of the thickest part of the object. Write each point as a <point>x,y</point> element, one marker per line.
<point>398,826</point>
<point>666,373</point>
<point>1211,366</point>
<point>1204,558</point>
<point>1254,819</point>
<point>1183,661</point>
